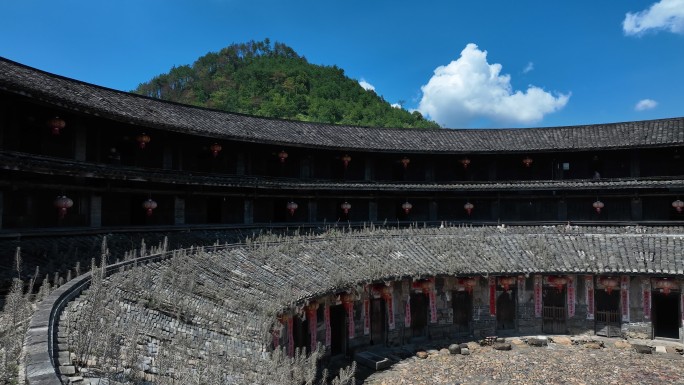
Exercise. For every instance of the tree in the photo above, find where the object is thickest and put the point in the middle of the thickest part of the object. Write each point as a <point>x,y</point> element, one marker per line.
<point>271,79</point>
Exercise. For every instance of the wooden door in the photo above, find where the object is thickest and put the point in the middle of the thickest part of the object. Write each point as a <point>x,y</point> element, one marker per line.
<point>505,310</point>
<point>419,314</point>
<point>553,310</point>
<point>608,318</point>
<point>462,306</point>
<point>666,314</point>
<point>338,330</point>
<point>378,321</point>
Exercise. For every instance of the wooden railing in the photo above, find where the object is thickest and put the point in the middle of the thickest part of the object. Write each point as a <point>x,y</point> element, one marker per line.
<point>554,319</point>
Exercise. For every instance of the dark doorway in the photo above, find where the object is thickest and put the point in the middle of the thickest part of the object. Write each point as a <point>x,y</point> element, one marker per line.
<point>462,305</point>
<point>666,314</point>
<point>138,214</point>
<point>419,314</point>
<point>553,310</point>
<point>378,323</point>
<point>214,209</point>
<point>280,211</point>
<point>300,333</point>
<point>505,310</point>
<point>338,330</point>
<point>607,313</point>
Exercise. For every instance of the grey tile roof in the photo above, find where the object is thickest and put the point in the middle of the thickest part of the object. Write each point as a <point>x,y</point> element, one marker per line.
<point>72,95</point>
<point>57,166</point>
<point>229,297</point>
<point>476,250</point>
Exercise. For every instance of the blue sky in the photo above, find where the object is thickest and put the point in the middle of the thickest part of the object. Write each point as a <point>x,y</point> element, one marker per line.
<point>547,63</point>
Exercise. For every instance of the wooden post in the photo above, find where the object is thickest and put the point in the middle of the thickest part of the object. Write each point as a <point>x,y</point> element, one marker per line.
<point>240,163</point>
<point>634,166</point>
<point>167,157</point>
<point>433,211</point>
<point>372,211</point>
<point>369,171</point>
<point>80,144</point>
<point>313,206</point>
<point>95,211</point>
<point>249,212</point>
<point>2,206</point>
<point>429,170</point>
<point>562,210</point>
<point>305,167</point>
<point>179,211</point>
<point>637,209</point>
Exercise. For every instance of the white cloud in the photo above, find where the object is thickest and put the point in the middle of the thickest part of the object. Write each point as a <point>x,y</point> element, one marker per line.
<point>470,88</point>
<point>366,86</point>
<point>396,105</point>
<point>529,67</point>
<point>664,15</point>
<point>645,104</point>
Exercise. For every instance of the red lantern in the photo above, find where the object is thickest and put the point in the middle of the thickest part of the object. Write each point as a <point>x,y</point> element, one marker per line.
<point>346,206</point>
<point>62,203</point>
<point>609,284</point>
<point>386,292</point>
<point>283,318</point>
<point>215,149</point>
<point>282,155</point>
<point>424,285</point>
<point>506,282</point>
<point>405,162</point>
<point>345,160</point>
<point>678,205</point>
<point>406,206</point>
<point>465,162</point>
<point>665,285</point>
<point>468,283</point>
<point>527,161</point>
<point>56,124</point>
<point>149,205</point>
<point>382,290</point>
<point>291,207</point>
<point>598,205</point>
<point>311,308</point>
<point>143,139</point>
<point>558,282</point>
<point>347,299</point>
<point>469,207</point>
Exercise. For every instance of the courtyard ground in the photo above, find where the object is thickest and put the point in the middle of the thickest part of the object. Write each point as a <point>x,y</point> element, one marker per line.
<point>564,360</point>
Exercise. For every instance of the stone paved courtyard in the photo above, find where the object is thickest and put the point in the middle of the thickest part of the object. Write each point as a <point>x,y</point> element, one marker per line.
<point>563,361</point>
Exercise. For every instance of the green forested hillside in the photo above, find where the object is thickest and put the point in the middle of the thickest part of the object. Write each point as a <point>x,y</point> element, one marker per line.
<point>260,78</point>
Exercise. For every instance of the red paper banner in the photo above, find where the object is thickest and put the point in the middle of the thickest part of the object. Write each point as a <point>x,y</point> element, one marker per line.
<point>624,294</point>
<point>366,317</point>
<point>682,295</point>
<point>433,307</point>
<point>313,328</point>
<point>571,296</point>
<point>276,338</point>
<point>492,296</point>
<point>407,313</point>
<point>646,299</point>
<point>589,291</point>
<point>290,337</point>
<point>390,313</point>
<point>538,295</point>
<point>349,306</point>
<point>326,320</point>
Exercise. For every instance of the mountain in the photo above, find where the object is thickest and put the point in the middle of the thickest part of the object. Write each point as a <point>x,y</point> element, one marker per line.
<point>272,80</point>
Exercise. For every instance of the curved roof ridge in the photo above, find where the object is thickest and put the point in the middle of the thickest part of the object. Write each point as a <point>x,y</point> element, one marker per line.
<point>82,97</point>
